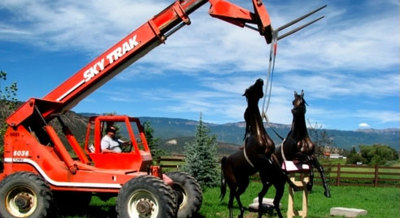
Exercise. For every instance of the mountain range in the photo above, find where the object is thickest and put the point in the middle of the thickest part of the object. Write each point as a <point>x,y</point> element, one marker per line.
<point>169,130</point>
<point>174,133</point>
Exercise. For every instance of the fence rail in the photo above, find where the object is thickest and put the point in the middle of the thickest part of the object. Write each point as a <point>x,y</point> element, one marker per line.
<point>357,175</point>
<point>338,174</point>
<point>171,162</point>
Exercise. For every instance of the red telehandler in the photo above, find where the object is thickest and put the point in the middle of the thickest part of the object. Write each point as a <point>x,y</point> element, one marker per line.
<point>39,175</point>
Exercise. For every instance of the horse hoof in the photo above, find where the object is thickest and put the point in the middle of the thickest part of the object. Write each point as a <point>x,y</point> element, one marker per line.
<point>327,194</point>
<point>309,187</point>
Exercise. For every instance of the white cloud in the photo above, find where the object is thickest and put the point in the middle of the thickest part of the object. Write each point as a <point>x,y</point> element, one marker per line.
<point>329,85</point>
<point>210,44</point>
<point>344,41</point>
<point>380,116</point>
<point>345,54</point>
<point>364,125</point>
<point>89,25</point>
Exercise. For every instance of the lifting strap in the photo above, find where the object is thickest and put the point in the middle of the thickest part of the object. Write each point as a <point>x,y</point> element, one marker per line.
<point>247,158</point>
<point>270,73</point>
<point>272,53</point>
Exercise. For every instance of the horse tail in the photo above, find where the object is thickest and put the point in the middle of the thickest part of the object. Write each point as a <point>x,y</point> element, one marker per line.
<point>223,181</point>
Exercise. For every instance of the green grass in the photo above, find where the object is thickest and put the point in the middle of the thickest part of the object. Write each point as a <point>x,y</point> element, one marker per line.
<point>379,202</point>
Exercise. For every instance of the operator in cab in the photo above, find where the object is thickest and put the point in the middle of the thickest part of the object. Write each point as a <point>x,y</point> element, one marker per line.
<point>110,143</point>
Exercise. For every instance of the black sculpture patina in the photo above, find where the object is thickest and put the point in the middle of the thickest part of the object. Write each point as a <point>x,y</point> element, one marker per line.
<point>298,145</point>
<point>257,155</point>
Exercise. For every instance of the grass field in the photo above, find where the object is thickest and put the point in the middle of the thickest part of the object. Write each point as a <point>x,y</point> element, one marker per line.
<point>379,202</point>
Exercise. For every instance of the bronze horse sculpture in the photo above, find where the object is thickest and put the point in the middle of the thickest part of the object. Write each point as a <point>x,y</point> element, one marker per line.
<point>298,145</point>
<point>257,155</point>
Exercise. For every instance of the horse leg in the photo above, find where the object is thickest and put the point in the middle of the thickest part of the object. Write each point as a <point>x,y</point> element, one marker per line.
<point>279,187</point>
<point>230,202</point>
<point>242,187</point>
<point>228,177</point>
<point>240,205</point>
<point>310,184</point>
<point>262,193</point>
<point>320,169</point>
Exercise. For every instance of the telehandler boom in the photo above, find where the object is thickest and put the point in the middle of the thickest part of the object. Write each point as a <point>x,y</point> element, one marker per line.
<point>38,170</point>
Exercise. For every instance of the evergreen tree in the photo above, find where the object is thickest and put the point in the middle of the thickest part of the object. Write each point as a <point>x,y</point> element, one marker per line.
<point>354,157</point>
<point>201,157</point>
<point>156,152</point>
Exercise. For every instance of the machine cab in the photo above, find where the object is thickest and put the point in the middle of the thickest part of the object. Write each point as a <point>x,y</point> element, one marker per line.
<point>135,153</point>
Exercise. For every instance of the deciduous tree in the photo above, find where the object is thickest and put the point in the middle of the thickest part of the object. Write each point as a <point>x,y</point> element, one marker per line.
<point>8,102</point>
<point>378,154</point>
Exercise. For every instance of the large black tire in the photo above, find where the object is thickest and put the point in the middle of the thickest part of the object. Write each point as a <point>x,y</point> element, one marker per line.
<point>146,196</point>
<point>24,194</point>
<point>189,194</point>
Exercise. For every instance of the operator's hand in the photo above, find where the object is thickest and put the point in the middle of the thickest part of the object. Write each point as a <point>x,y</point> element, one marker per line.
<point>109,151</point>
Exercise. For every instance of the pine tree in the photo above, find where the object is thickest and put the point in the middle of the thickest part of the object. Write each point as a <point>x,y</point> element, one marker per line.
<point>201,157</point>
<point>156,152</point>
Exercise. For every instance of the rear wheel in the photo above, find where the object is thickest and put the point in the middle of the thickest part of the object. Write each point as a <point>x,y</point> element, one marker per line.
<point>146,196</point>
<point>188,192</point>
<point>25,194</point>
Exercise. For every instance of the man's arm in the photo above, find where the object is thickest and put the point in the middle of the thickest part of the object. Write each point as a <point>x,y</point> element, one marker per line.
<point>106,145</point>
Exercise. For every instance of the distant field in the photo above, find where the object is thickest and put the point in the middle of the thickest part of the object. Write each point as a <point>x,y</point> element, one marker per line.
<point>379,202</point>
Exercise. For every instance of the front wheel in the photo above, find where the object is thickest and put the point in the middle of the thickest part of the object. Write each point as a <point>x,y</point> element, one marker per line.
<point>189,194</point>
<point>146,196</point>
<point>24,194</point>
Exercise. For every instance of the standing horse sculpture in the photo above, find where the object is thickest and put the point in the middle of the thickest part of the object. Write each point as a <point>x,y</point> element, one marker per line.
<point>298,145</point>
<point>257,156</point>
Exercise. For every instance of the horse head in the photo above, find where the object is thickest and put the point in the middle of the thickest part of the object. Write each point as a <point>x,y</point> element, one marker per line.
<point>299,129</point>
<point>254,92</point>
<point>299,104</point>
<point>252,114</point>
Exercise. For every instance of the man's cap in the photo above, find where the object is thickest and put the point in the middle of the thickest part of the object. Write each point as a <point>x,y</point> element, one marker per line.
<point>111,129</point>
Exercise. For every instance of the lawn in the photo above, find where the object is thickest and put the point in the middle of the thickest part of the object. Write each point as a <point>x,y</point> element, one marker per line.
<point>379,202</point>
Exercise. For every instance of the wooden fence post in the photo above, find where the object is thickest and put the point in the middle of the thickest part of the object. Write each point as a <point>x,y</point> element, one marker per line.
<point>376,175</point>
<point>338,175</point>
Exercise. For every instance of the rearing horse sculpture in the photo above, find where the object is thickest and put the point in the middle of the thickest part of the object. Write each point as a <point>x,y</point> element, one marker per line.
<point>257,156</point>
<point>298,145</point>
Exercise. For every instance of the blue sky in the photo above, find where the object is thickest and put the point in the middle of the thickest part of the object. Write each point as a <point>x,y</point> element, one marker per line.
<point>347,64</point>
